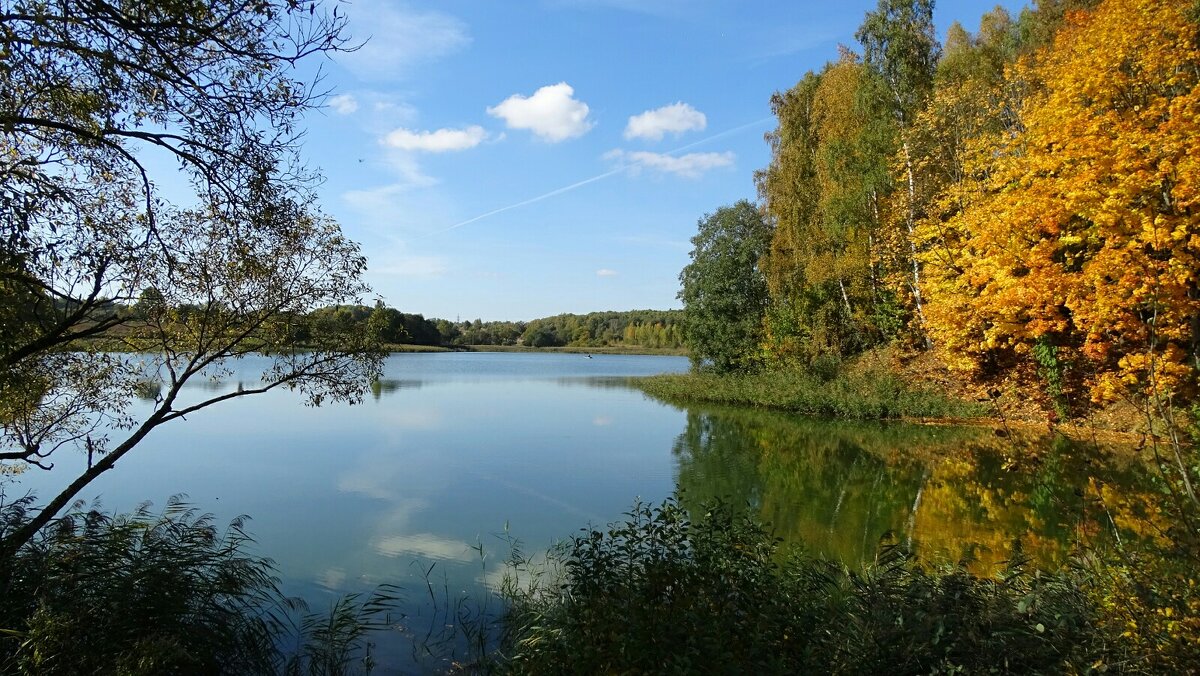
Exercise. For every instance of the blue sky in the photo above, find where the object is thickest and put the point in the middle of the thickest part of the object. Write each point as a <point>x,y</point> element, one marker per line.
<point>518,159</point>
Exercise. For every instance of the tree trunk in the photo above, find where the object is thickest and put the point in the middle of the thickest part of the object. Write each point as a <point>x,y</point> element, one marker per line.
<point>910,219</point>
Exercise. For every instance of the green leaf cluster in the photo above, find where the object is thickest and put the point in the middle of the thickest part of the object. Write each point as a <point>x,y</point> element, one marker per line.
<point>724,290</point>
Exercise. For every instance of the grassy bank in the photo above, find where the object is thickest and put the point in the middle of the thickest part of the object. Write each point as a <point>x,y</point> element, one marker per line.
<point>402,347</point>
<point>871,394</point>
<point>610,349</point>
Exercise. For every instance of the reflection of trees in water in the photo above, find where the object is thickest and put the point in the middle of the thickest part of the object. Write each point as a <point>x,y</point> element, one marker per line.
<point>837,488</point>
<point>148,389</point>
<point>714,462</point>
<point>391,385</point>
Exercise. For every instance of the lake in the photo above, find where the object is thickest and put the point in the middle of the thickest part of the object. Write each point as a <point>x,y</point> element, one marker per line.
<point>451,453</point>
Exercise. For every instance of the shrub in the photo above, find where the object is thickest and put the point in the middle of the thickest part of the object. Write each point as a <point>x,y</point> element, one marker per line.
<point>167,593</point>
<point>662,593</point>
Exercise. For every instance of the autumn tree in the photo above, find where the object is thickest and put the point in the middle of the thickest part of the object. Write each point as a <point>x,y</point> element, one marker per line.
<point>724,290</point>
<point>901,51</point>
<point>786,189</point>
<point>1085,235</point>
<point>99,102</point>
<point>954,139</point>
<point>825,191</point>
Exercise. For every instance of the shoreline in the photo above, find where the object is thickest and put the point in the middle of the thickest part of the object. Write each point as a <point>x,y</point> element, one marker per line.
<point>575,349</point>
<point>878,397</point>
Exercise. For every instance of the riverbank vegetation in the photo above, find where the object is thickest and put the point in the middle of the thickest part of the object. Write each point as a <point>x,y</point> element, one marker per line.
<point>878,394</point>
<point>668,591</point>
<point>1013,213</point>
<point>632,330</point>
<point>627,332</point>
<point>1007,203</point>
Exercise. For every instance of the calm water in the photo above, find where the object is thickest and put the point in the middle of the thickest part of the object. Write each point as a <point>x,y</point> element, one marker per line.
<point>451,449</point>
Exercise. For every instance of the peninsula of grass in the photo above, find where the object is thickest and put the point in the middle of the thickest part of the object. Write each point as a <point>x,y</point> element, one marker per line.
<point>864,395</point>
<point>583,349</point>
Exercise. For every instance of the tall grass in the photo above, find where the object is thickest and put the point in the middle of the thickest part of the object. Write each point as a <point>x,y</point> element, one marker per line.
<point>147,593</point>
<point>865,395</point>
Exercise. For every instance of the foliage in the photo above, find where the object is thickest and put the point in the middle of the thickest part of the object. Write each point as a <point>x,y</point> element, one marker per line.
<point>87,91</point>
<point>666,592</point>
<point>643,328</point>
<point>658,329</point>
<point>1096,195</point>
<point>823,192</point>
<point>901,52</point>
<point>149,593</point>
<point>724,290</point>
<point>1005,191</point>
<point>479,332</point>
<point>1053,372</point>
<point>842,264</point>
<point>862,395</point>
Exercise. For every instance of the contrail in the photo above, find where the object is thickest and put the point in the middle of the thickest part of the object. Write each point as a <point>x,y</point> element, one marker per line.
<point>531,200</point>
<point>714,137</point>
<point>580,184</point>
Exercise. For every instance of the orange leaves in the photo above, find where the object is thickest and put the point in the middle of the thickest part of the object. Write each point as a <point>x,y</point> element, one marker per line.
<point>1086,228</point>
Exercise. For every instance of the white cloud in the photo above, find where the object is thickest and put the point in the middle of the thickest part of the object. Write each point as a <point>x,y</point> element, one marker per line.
<point>343,104</point>
<point>426,545</point>
<point>675,119</point>
<point>605,272</point>
<point>399,38</point>
<point>439,141</point>
<point>692,165</point>
<point>552,113</point>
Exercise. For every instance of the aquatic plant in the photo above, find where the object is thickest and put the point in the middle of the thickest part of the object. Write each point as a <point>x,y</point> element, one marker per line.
<point>167,592</point>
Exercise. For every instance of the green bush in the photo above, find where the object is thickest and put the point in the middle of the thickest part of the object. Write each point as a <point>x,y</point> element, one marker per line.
<point>664,594</point>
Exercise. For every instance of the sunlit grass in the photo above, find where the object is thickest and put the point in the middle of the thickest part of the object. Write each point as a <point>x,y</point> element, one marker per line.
<point>863,395</point>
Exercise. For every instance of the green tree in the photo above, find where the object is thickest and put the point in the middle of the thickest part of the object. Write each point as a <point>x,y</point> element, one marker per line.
<point>89,89</point>
<point>150,304</point>
<point>724,290</point>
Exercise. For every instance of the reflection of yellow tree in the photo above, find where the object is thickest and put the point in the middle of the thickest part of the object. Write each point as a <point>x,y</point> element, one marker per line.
<point>964,518</point>
<point>838,488</point>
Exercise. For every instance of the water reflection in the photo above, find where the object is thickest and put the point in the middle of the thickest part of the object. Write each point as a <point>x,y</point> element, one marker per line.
<point>148,389</point>
<point>392,385</point>
<point>598,382</point>
<point>952,494</point>
<point>425,545</point>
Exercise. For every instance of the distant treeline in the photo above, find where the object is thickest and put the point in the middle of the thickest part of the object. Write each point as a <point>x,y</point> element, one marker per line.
<point>639,328</point>
<point>657,329</point>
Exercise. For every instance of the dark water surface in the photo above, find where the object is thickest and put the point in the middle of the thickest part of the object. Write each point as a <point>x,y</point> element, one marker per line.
<point>450,449</point>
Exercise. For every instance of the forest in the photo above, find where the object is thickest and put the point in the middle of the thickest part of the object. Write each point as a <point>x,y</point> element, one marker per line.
<point>633,328</point>
<point>1019,202</point>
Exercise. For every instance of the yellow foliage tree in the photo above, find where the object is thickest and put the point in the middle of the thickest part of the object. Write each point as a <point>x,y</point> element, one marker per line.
<point>1086,229</point>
